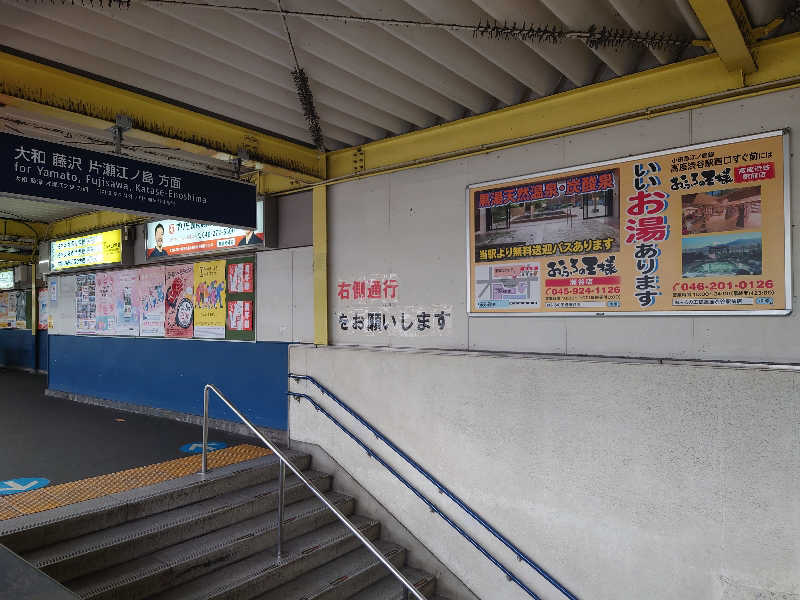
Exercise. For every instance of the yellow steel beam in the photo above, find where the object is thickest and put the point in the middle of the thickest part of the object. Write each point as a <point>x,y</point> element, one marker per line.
<point>18,244</point>
<point>672,87</point>
<point>280,179</point>
<point>320,262</point>
<point>23,229</point>
<point>16,257</point>
<point>728,26</point>
<point>34,302</point>
<point>25,79</point>
<point>102,219</point>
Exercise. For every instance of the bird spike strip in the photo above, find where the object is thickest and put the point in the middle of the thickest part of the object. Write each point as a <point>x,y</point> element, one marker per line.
<point>91,3</point>
<point>163,129</point>
<point>793,13</point>
<point>594,37</point>
<point>309,110</point>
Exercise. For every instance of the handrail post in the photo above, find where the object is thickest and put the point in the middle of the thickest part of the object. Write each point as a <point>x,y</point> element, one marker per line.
<point>281,487</point>
<point>205,432</point>
<point>286,463</point>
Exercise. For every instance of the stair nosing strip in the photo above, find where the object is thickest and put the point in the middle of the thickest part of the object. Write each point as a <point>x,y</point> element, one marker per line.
<point>165,526</point>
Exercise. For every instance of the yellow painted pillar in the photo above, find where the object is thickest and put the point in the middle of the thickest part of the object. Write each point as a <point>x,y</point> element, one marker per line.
<point>320,237</point>
<point>34,299</point>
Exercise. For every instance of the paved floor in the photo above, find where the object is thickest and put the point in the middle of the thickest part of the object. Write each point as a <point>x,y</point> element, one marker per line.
<point>63,440</point>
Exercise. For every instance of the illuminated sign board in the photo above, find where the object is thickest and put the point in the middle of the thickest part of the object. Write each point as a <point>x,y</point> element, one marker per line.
<point>181,238</point>
<point>86,251</point>
<point>7,279</point>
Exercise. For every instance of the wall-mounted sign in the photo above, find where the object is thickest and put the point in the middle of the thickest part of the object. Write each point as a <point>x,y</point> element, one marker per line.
<point>182,238</point>
<point>87,250</point>
<point>696,230</point>
<point>32,167</point>
<point>7,279</point>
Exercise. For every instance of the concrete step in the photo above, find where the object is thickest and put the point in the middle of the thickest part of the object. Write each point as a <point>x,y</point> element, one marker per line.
<point>262,572</point>
<point>340,578</point>
<point>389,588</point>
<point>30,532</point>
<point>193,558</point>
<point>102,549</point>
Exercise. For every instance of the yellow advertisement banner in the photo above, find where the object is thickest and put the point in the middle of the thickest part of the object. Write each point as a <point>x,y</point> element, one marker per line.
<point>699,230</point>
<point>209,299</point>
<point>86,250</point>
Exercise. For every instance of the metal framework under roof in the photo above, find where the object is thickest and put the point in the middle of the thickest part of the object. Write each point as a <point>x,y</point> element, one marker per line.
<point>370,79</point>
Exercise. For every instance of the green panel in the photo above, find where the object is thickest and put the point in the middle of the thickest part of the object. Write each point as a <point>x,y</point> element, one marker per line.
<point>238,312</point>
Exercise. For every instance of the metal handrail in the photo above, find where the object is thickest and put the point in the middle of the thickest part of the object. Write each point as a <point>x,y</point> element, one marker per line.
<point>521,556</point>
<point>435,509</point>
<point>285,462</point>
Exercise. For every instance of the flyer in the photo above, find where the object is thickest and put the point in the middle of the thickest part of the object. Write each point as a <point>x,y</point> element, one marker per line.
<point>105,320</point>
<point>126,302</point>
<point>85,304</point>
<point>152,297</point>
<point>179,318</point>
<point>209,299</point>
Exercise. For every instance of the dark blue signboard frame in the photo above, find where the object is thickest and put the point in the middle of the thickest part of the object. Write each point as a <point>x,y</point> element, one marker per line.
<point>33,167</point>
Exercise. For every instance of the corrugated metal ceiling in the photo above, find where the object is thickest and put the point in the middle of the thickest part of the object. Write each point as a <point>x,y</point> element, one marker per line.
<point>43,212</point>
<point>369,80</point>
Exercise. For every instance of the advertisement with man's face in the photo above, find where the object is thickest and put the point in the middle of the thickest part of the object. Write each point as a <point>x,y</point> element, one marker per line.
<point>168,238</point>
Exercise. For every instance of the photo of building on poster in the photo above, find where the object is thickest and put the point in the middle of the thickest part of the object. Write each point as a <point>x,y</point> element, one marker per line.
<point>179,319</point>
<point>717,211</point>
<point>573,215</point>
<point>722,255</point>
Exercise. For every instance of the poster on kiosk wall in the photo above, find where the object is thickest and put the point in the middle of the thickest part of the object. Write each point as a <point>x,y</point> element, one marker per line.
<point>42,312</point>
<point>152,298</point>
<point>179,319</point>
<point>240,322</point>
<point>125,300</point>
<point>209,299</point>
<point>4,321</point>
<point>697,230</point>
<point>105,320</point>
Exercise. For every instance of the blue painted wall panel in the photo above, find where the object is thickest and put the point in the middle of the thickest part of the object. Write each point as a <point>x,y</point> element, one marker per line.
<point>17,348</point>
<point>171,373</point>
<point>41,350</point>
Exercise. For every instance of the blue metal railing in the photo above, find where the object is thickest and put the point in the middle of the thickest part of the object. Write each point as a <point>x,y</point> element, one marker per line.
<point>521,556</point>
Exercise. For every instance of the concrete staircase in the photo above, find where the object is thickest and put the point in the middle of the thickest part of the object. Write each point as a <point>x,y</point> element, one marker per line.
<point>214,538</point>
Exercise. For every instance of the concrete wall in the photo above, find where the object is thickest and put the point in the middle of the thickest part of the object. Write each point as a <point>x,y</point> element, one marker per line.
<point>623,479</point>
<point>413,223</point>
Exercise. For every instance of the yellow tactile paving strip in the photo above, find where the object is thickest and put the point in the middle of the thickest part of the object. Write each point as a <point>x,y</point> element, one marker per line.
<point>63,494</point>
